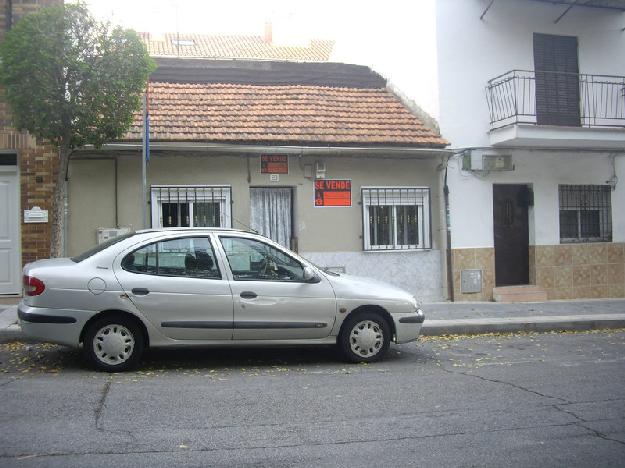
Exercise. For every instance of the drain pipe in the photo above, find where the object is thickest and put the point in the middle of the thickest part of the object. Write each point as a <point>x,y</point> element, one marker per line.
<point>450,278</point>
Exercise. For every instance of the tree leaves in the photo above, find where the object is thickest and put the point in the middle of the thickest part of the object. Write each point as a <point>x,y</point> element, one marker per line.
<point>71,79</point>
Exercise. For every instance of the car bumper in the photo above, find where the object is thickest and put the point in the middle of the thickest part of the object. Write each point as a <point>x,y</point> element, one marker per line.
<point>408,326</point>
<point>62,326</point>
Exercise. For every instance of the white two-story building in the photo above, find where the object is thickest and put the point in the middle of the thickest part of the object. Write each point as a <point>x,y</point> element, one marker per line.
<point>532,98</point>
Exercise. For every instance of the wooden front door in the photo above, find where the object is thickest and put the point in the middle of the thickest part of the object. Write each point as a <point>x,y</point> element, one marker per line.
<point>511,231</point>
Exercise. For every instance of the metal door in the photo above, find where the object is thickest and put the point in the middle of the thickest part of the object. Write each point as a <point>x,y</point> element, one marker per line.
<point>557,80</point>
<point>9,233</point>
<point>511,232</point>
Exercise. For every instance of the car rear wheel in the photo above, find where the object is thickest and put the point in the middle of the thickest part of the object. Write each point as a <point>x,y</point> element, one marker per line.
<point>365,337</point>
<point>113,344</point>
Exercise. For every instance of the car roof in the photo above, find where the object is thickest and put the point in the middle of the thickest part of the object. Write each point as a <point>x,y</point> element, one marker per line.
<point>194,229</point>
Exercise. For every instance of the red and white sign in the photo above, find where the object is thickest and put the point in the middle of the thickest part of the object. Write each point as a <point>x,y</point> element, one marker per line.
<point>333,192</point>
<point>274,164</point>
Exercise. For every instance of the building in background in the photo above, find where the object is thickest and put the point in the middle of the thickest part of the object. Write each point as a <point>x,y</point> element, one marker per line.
<point>321,157</point>
<point>532,99</point>
<point>27,180</point>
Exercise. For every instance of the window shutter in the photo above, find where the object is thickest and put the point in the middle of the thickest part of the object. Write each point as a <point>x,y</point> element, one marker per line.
<point>557,80</point>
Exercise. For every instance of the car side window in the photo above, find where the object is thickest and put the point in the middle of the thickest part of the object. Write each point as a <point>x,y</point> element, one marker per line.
<point>191,257</point>
<point>250,259</point>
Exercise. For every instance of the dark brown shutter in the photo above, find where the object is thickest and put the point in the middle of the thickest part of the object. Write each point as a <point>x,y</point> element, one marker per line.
<point>557,80</point>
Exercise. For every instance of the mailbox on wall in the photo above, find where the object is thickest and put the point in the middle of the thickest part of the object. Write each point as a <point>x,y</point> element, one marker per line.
<point>35,215</point>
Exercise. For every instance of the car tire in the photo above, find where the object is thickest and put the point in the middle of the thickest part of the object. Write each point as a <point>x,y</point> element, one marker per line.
<point>364,337</point>
<point>113,344</point>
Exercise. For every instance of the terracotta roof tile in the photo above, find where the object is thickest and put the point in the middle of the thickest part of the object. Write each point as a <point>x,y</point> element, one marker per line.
<point>281,114</point>
<point>233,47</point>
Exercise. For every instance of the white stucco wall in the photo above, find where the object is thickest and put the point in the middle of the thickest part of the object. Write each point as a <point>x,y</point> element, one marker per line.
<point>471,195</point>
<point>472,51</point>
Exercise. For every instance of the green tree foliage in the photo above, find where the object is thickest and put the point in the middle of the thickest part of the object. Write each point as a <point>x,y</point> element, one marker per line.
<point>72,81</point>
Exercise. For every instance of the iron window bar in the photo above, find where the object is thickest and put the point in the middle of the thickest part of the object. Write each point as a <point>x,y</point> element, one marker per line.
<point>585,213</point>
<point>396,218</point>
<point>511,97</point>
<point>192,206</point>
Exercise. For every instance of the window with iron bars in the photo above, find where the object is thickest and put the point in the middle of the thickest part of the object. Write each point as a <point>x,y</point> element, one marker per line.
<point>191,206</point>
<point>585,213</point>
<point>396,218</point>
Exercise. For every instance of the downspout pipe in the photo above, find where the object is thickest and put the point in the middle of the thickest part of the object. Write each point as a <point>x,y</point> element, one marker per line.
<point>450,278</point>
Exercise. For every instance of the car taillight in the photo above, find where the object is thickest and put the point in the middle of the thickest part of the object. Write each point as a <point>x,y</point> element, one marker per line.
<point>33,286</point>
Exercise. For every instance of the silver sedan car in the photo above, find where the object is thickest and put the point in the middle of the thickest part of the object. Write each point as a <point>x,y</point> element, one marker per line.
<point>207,287</point>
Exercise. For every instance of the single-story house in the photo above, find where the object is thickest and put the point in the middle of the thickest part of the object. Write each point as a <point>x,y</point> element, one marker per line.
<point>321,157</point>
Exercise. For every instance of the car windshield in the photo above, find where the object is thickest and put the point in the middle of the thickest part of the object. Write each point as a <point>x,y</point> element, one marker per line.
<point>100,247</point>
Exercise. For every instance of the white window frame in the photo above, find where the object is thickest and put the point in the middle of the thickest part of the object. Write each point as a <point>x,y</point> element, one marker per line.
<point>188,194</point>
<point>421,199</point>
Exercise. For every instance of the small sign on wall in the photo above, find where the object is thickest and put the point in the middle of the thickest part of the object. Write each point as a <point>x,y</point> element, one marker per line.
<point>35,215</point>
<point>333,192</point>
<point>274,164</point>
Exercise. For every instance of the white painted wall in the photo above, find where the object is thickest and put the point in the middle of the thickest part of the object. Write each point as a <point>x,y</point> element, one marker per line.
<point>472,51</point>
<point>471,195</point>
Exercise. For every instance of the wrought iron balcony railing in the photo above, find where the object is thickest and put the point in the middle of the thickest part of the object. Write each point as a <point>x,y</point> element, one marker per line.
<point>556,98</point>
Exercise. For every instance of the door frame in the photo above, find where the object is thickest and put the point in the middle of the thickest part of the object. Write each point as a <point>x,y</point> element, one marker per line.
<point>293,242</point>
<point>14,170</point>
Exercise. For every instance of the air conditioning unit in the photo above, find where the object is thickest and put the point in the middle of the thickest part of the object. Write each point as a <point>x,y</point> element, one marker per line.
<point>105,234</point>
<point>487,163</point>
<point>496,162</point>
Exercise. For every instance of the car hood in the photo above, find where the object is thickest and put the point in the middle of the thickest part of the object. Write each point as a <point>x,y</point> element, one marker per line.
<point>351,287</point>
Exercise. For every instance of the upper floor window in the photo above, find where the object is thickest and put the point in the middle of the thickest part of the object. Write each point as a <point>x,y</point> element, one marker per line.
<point>585,213</point>
<point>396,218</point>
<point>191,257</point>
<point>191,206</point>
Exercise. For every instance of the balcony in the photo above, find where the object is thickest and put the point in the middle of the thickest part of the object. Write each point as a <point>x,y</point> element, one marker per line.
<point>556,109</point>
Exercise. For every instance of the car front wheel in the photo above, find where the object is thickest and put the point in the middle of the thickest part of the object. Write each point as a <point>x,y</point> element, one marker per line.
<point>113,344</point>
<point>365,337</point>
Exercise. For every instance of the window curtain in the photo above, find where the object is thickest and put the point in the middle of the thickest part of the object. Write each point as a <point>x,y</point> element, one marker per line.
<point>271,213</point>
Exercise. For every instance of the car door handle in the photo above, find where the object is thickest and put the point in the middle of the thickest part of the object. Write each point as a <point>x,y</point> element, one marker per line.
<point>140,291</point>
<point>248,295</point>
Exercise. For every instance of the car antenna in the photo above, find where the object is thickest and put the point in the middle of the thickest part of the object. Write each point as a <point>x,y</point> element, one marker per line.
<point>248,228</point>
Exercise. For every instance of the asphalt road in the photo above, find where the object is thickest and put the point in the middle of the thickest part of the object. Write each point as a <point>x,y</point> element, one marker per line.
<point>526,400</point>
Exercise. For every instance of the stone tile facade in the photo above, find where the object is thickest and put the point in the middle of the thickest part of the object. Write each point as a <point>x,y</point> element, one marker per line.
<point>480,259</point>
<point>566,271</point>
<point>575,271</point>
<point>37,161</point>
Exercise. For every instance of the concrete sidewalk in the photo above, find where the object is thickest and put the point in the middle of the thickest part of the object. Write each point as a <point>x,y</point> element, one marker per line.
<point>494,317</point>
<point>470,317</point>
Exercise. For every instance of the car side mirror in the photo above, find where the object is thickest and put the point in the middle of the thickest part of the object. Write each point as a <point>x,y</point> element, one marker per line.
<point>310,276</point>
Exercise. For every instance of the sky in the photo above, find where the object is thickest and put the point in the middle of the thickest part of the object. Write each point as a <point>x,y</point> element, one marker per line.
<point>395,37</point>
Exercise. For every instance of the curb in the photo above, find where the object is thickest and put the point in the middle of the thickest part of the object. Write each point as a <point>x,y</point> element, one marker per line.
<point>523,324</point>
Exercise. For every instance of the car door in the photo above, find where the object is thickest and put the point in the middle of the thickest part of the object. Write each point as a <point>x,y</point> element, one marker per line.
<point>178,285</point>
<point>271,299</point>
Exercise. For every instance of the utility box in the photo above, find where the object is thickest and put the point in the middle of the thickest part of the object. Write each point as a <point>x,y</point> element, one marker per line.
<point>106,234</point>
<point>470,281</point>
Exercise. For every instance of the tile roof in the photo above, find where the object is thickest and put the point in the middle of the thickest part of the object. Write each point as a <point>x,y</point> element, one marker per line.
<point>290,114</point>
<point>234,47</point>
